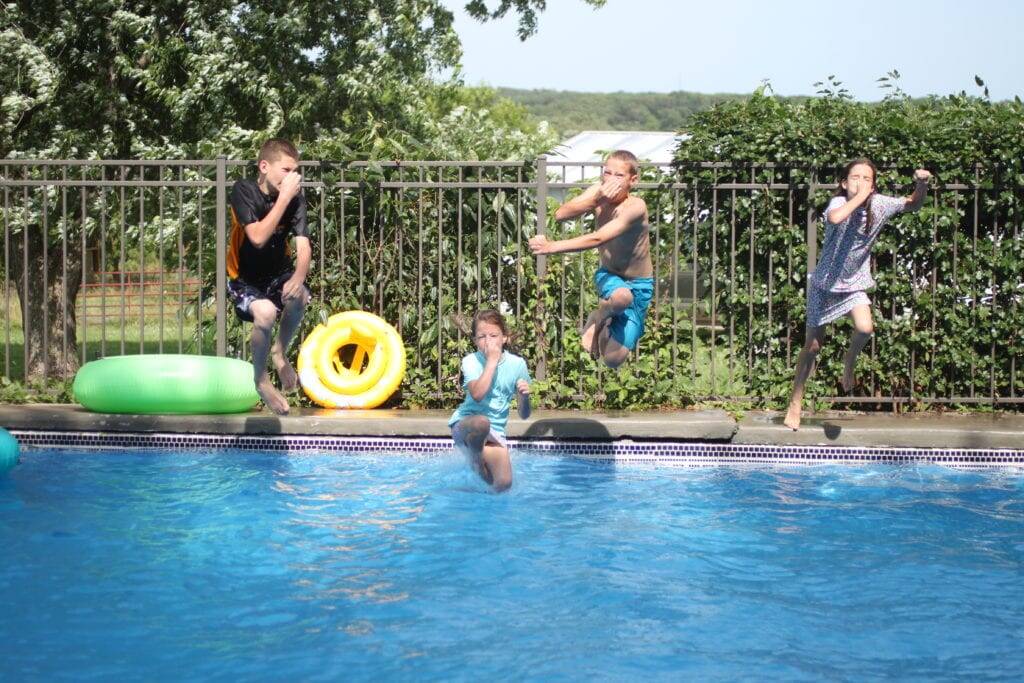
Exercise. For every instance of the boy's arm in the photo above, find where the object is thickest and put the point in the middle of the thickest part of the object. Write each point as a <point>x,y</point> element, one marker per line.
<point>916,200</point>
<point>629,213</point>
<point>261,231</point>
<point>580,204</point>
<point>614,190</point>
<point>303,257</point>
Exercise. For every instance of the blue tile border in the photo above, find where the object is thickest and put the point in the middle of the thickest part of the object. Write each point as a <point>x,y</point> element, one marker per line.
<point>680,454</point>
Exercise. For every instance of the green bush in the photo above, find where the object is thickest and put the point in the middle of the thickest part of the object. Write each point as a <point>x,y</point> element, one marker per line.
<point>950,294</point>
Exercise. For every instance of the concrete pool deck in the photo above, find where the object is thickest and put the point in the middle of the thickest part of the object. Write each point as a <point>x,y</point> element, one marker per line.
<point>929,430</point>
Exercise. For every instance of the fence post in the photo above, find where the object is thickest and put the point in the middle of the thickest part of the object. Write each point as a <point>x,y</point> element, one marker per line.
<point>812,223</point>
<point>542,267</point>
<point>221,293</point>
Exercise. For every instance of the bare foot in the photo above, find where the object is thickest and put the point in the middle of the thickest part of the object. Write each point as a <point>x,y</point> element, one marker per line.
<point>587,330</point>
<point>289,378</point>
<point>792,417</point>
<point>596,352</point>
<point>271,397</point>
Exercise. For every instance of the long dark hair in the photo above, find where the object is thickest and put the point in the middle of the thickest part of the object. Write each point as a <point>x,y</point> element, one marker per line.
<point>840,192</point>
<point>487,315</point>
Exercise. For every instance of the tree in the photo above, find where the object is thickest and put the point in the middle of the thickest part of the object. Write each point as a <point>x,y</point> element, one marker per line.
<point>190,78</point>
<point>526,9</point>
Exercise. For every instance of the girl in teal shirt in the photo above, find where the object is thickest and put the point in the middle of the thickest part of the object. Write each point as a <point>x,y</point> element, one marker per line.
<point>490,377</point>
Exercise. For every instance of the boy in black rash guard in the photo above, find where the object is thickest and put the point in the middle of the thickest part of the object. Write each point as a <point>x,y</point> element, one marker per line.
<point>264,285</point>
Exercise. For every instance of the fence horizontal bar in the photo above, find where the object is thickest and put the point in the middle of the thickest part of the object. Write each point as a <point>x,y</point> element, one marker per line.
<point>109,162</point>
<point>108,183</point>
<point>456,185</point>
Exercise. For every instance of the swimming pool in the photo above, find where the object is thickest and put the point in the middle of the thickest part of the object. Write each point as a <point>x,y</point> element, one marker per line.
<point>315,566</point>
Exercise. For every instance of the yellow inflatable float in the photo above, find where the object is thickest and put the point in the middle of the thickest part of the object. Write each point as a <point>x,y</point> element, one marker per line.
<point>361,338</point>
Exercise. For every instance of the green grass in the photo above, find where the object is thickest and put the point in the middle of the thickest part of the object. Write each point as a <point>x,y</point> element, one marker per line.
<point>108,339</point>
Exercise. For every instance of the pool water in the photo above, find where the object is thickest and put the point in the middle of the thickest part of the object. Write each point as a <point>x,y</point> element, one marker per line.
<point>259,566</point>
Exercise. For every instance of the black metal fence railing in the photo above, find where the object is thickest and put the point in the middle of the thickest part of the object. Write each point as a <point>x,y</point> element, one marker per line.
<point>104,257</point>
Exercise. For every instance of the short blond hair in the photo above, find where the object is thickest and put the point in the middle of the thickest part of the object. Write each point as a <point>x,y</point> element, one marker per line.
<point>628,157</point>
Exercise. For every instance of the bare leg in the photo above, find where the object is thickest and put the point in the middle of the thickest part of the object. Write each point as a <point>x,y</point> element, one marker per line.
<point>491,461</point>
<point>591,329</point>
<point>611,351</point>
<point>804,367</point>
<point>499,464</point>
<point>863,328</point>
<point>264,315</point>
<point>290,319</point>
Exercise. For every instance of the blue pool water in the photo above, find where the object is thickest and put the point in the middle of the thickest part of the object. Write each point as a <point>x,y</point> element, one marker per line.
<point>242,566</point>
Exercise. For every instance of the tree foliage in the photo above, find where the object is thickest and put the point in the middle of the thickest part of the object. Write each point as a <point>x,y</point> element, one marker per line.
<point>115,79</point>
<point>571,112</point>
<point>526,10</point>
<point>171,79</point>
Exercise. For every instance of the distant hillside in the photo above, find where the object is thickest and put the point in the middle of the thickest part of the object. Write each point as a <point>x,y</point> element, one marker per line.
<point>570,112</point>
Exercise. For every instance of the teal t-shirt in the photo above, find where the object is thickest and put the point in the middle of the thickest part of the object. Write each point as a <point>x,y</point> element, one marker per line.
<point>495,404</point>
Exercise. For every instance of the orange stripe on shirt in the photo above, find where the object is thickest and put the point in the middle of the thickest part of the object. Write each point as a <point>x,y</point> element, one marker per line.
<point>234,245</point>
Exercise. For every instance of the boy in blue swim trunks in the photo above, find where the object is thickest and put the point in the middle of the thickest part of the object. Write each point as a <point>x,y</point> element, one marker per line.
<point>624,282</point>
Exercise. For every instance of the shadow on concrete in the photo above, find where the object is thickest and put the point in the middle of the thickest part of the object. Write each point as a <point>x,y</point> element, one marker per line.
<point>262,424</point>
<point>568,428</point>
<point>832,430</point>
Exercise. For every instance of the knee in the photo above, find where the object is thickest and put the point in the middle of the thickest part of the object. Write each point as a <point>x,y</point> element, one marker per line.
<point>613,359</point>
<point>476,426</point>
<point>621,298</point>
<point>812,346</point>
<point>296,304</point>
<point>478,422</point>
<point>264,313</point>
<point>502,482</point>
<point>867,328</point>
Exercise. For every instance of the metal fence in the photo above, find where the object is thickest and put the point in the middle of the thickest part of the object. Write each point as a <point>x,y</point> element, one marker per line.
<point>105,257</point>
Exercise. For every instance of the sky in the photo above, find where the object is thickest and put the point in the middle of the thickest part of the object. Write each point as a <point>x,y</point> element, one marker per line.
<point>938,46</point>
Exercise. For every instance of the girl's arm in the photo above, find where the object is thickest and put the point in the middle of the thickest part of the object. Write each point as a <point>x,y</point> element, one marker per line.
<point>523,398</point>
<point>916,200</point>
<point>479,387</point>
<point>841,213</point>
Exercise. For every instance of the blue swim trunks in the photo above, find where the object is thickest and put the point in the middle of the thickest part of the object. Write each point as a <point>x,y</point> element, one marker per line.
<point>626,327</point>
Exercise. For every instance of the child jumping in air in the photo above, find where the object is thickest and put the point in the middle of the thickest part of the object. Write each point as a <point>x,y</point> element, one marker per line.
<point>853,220</point>
<point>624,281</point>
<point>491,377</point>
<point>265,285</point>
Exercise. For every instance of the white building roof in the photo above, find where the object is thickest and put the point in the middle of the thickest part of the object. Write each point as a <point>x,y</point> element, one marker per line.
<point>594,145</point>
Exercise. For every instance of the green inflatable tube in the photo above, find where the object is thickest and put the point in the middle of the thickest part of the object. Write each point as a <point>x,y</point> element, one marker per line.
<point>8,450</point>
<point>166,384</point>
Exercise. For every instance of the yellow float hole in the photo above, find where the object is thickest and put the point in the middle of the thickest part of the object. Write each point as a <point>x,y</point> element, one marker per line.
<point>351,360</point>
